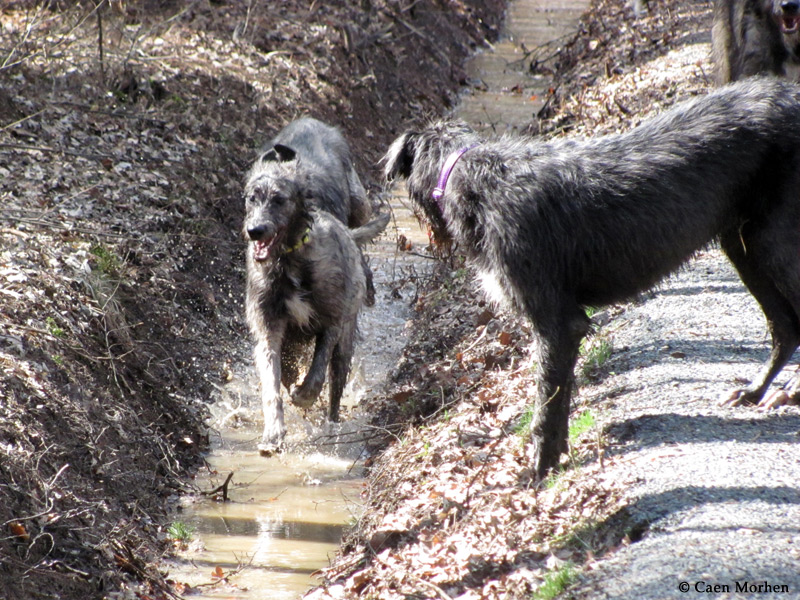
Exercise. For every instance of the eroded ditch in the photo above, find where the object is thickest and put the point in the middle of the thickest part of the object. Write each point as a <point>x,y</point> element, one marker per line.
<point>286,513</point>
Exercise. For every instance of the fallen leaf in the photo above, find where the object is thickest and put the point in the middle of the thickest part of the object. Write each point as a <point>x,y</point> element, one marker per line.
<point>401,397</point>
<point>483,318</point>
<point>19,530</point>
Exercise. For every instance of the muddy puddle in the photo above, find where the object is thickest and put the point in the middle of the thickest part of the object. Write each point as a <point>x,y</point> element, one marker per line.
<point>286,514</point>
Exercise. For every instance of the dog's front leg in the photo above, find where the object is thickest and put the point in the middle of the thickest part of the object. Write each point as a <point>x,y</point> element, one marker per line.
<point>268,365</point>
<point>557,354</point>
<point>306,393</point>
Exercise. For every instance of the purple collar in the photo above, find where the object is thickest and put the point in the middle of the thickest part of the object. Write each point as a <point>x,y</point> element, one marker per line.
<point>447,169</point>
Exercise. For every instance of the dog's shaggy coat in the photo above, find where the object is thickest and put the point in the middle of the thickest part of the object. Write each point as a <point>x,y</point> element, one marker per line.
<point>554,228</point>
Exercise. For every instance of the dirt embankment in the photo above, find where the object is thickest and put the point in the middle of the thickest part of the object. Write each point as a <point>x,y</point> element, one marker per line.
<point>124,134</point>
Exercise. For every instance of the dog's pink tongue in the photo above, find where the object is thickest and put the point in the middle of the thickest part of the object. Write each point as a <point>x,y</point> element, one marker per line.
<point>261,248</point>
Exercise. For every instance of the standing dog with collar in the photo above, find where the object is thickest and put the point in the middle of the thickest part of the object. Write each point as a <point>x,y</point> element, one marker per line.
<point>556,227</point>
<point>306,279</point>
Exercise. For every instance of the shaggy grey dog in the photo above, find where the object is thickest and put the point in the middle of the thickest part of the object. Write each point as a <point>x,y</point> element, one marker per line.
<point>756,37</point>
<point>306,278</point>
<point>554,228</point>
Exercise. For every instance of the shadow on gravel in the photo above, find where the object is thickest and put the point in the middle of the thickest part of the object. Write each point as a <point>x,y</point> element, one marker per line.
<point>682,351</point>
<point>632,521</point>
<point>722,284</point>
<point>647,431</point>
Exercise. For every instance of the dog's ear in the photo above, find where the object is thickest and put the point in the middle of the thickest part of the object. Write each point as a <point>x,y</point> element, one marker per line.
<point>400,157</point>
<point>279,153</point>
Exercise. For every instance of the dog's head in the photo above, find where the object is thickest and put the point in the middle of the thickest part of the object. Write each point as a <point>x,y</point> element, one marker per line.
<point>418,157</point>
<point>275,208</point>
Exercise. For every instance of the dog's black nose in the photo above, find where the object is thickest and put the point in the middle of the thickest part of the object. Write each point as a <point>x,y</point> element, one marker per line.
<point>791,7</point>
<point>256,233</point>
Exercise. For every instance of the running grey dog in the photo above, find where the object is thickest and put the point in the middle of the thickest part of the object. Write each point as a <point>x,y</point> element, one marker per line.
<point>306,279</point>
<point>752,37</point>
<point>556,227</point>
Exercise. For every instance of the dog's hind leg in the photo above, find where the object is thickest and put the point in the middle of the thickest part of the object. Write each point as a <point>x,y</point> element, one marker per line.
<point>774,280</point>
<point>369,297</point>
<point>268,365</point>
<point>360,208</point>
<point>307,392</point>
<point>558,345</point>
<point>340,369</point>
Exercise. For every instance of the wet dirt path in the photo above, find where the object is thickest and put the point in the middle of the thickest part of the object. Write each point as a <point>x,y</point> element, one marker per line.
<point>286,513</point>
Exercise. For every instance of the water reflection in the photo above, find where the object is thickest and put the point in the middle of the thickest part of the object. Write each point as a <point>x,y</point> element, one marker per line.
<point>264,526</point>
<point>284,520</point>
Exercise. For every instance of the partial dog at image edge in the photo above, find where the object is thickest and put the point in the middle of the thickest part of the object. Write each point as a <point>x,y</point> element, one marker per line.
<point>756,37</point>
<point>306,276</point>
<point>555,227</point>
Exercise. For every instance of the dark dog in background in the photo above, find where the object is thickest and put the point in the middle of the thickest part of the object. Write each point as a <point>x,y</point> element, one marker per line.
<point>326,174</point>
<point>756,37</point>
<point>554,228</point>
<point>306,277</point>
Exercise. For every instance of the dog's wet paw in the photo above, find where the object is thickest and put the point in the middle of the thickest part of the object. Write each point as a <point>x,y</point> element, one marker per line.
<point>302,396</point>
<point>269,449</point>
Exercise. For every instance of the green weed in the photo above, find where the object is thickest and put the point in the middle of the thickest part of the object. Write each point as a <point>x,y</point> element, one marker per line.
<point>107,261</point>
<point>178,100</point>
<point>54,329</point>
<point>596,353</point>
<point>523,428</point>
<point>460,275</point>
<point>426,449</point>
<point>580,425</point>
<point>555,582</point>
<point>555,478</point>
<point>196,226</point>
<point>180,532</point>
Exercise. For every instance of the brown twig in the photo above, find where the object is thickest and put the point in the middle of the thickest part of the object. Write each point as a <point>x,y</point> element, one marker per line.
<point>221,488</point>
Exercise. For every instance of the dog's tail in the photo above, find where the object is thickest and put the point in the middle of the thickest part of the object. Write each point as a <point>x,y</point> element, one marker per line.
<point>371,230</point>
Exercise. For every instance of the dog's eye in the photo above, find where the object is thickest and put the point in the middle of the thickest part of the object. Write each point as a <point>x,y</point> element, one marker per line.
<point>278,200</point>
<point>256,197</point>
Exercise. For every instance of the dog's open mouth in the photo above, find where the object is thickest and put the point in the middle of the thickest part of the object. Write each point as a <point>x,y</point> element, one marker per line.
<point>265,248</point>
<point>790,24</point>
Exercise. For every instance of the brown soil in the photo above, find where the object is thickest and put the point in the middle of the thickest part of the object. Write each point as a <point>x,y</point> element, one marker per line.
<point>120,264</point>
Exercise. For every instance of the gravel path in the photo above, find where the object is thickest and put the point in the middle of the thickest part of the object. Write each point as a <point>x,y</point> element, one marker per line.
<point>714,493</point>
